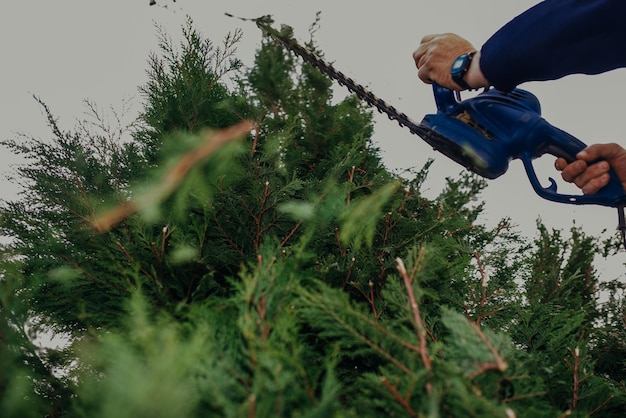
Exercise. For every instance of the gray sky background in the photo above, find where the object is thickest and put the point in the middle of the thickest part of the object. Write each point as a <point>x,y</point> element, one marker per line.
<point>71,50</point>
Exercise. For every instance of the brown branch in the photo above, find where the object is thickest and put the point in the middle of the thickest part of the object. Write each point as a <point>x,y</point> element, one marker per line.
<point>565,414</point>
<point>93,277</point>
<point>483,279</point>
<point>297,226</point>
<point>164,236</point>
<point>258,219</point>
<point>252,410</point>
<point>524,396</point>
<point>487,315</point>
<point>143,270</point>
<point>155,250</point>
<point>484,368</point>
<point>350,179</point>
<point>498,364</point>
<point>418,263</point>
<point>254,142</point>
<point>602,405</point>
<point>342,251</point>
<point>290,234</point>
<point>394,392</point>
<point>347,280</point>
<point>172,179</point>
<point>575,368</point>
<point>417,318</point>
<point>369,297</point>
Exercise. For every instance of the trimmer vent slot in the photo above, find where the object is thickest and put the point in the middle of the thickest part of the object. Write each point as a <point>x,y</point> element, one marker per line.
<point>466,118</point>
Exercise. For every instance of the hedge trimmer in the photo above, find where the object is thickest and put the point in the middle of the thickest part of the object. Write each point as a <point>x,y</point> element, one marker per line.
<point>482,133</point>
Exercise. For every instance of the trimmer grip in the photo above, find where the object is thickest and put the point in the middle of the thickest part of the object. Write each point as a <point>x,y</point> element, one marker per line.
<point>445,99</point>
<point>548,139</point>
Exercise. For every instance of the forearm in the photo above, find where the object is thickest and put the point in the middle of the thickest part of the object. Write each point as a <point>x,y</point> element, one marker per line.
<point>556,38</point>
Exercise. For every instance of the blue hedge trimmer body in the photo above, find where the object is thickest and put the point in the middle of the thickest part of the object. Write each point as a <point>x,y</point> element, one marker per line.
<point>484,133</point>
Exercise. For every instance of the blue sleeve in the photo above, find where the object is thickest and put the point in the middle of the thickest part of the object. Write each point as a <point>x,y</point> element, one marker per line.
<point>556,38</point>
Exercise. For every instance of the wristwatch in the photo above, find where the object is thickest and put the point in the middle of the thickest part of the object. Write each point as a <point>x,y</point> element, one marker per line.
<point>460,67</point>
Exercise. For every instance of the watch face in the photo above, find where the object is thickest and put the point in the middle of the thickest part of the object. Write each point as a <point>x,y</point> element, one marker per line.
<point>457,64</point>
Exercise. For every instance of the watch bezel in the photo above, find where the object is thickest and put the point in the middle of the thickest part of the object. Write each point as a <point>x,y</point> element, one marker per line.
<point>459,68</point>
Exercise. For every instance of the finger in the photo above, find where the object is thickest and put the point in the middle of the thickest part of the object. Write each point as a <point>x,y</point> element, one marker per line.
<point>428,38</point>
<point>560,164</point>
<point>424,75</point>
<point>590,175</point>
<point>419,55</point>
<point>571,172</point>
<point>594,185</point>
<point>422,61</point>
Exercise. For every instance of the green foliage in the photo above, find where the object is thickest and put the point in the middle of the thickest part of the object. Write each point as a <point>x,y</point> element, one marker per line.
<point>185,90</point>
<point>287,273</point>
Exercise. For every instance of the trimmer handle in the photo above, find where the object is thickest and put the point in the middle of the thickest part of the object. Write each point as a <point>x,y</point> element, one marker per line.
<point>547,139</point>
<point>446,100</point>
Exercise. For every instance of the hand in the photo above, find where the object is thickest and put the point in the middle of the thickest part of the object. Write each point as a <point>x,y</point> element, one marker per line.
<point>434,58</point>
<point>591,178</point>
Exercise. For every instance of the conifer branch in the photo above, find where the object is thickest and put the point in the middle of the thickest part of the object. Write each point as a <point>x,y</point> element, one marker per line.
<point>342,251</point>
<point>290,234</point>
<point>484,280</point>
<point>389,225</point>
<point>350,179</point>
<point>524,396</point>
<point>602,405</point>
<point>91,276</point>
<point>417,318</point>
<point>484,298</point>
<point>225,234</point>
<point>267,191</point>
<point>255,141</point>
<point>396,395</point>
<point>350,267</point>
<point>252,410</point>
<point>155,250</point>
<point>297,225</point>
<point>482,316</point>
<point>341,321</point>
<point>418,262</point>
<point>143,270</point>
<point>83,194</point>
<point>498,364</point>
<point>369,296</point>
<point>576,380</point>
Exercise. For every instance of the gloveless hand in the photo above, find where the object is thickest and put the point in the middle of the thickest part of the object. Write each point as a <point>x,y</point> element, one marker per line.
<point>435,55</point>
<point>590,178</point>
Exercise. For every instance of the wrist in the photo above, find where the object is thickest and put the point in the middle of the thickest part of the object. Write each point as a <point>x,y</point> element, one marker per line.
<point>474,76</point>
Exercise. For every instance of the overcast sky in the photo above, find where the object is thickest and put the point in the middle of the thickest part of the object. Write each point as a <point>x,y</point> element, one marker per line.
<point>71,50</point>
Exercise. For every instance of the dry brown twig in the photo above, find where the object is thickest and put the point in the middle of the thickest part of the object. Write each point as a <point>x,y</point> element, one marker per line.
<point>172,179</point>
